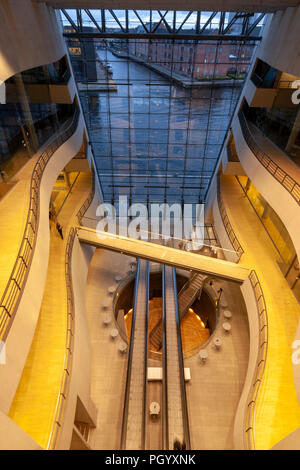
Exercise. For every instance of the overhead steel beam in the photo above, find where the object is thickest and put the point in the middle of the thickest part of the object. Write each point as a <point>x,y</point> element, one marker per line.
<point>79,19</point>
<point>208,21</point>
<point>69,19</point>
<point>253,25</point>
<point>222,21</point>
<point>162,20</point>
<point>89,14</point>
<point>236,17</point>
<point>219,31</point>
<point>141,21</point>
<point>116,19</point>
<point>184,21</point>
<point>103,20</point>
<point>192,37</point>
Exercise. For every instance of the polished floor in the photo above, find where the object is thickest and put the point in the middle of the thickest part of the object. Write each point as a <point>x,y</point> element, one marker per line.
<point>193,334</point>
<point>213,392</point>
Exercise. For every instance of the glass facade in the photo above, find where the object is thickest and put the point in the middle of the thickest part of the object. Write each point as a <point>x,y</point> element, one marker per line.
<point>50,74</point>
<point>155,136</point>
<point>286,258</point>
<point>157,109</point>
<point>264,75</point>
<point>30,116</point>
<point>272,224</point>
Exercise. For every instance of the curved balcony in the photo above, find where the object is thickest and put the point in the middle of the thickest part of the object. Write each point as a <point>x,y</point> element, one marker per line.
<point>57,379</point>
<point>245,417</point>
<point>65,380</point>
<point>20,307</point>
<point>259,367</point>
<point>17,280</point>
<point>287,181</point>
<point>272,173</point>
<point>68,359</point>
<point>227,225</point>
<point>262,417</point>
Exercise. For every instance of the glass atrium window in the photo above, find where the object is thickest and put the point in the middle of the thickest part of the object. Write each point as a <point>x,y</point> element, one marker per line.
<point>157,116</point>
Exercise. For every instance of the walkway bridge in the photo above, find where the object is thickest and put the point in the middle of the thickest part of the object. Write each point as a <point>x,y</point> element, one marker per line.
<point>165,255</point>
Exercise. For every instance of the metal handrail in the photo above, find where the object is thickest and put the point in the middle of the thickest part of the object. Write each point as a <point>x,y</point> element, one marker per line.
<point>263,332</point>
<point>249,420</point>
<point>249,437</point>
<point>65,381</point>
<point>186,426</point>
<point>87,202</point>
<point>149,239</point>
<point>16,283</point>
<point>129,362</point>
<point>120,287</point>
<point>260,82</point>
<point>145,394</point>
<point>275,170</point>
<point>228,227</point>
<point>165,418</point>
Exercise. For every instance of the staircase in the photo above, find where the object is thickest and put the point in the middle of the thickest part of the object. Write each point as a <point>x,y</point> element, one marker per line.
<point>186,297</point>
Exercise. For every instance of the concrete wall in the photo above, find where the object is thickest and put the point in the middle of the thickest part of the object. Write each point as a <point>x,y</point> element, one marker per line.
<point>281,49</point>
<point>29,36</point>
<point>13,437</point>
<point>81,366</point>
<point>281,46</point>
<point>239,423</point>
<point>218,5</point>
<point>21,334</point>
<point>290,442</point>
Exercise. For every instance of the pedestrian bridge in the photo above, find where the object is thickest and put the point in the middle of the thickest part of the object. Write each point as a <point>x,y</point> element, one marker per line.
<point>163,254</point>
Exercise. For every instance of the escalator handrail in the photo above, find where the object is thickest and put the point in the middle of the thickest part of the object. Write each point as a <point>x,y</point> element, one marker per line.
<point>129,362</point>
<point>186,427</point>
<point>165,426</point>
<point>144,424</point>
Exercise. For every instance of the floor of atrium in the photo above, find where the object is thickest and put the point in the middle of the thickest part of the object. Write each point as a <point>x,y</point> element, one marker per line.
<point>211,407</point>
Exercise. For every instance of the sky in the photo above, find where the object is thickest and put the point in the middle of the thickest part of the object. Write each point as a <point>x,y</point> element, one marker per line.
<point>145,16</point>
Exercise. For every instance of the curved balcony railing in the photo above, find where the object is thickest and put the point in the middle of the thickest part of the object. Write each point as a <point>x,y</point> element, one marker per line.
<point>228,227</point>
<point>278,173</point>
<point>15,286</point>
<point>87,202</point>
<point>65,381</point>
<point>249,422</point>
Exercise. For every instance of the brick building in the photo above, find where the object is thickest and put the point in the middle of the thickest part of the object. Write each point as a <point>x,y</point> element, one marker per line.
<point>208,59</point>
